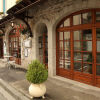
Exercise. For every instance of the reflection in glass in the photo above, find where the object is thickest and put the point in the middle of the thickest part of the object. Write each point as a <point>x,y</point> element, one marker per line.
<point>61,54</point>
<point>98,34</point>
<point>87,34</point>
<point>98,58</point>
<point>61,65</point>
<point>86,18</point>
<point>98,39</point>
<point>98,70</point>
<point>60,35</point>
<point>61,45</point>
<point>67,45</point>
<point>77,66</point>
<point>77,45</point>
<point>67,55</point>
<point>66,35</point>
<point>77,19</point>
<point>87,68</point>
<point>87,46</point>
<point>67,64</point>
<point>67,22</point>
<point>87,57</point>
<point>77,56</point>
<point>98,46</point>
<point>77,35</point>
<point>97,16</point>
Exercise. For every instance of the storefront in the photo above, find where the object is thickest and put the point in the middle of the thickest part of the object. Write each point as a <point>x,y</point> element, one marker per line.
<point>64,35</point>
<point>78,47</point>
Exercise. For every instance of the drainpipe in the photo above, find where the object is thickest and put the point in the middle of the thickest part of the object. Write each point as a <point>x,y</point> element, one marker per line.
<point>4,9</point>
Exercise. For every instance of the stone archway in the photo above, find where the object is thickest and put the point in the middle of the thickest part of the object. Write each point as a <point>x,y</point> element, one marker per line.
<point>42,43</point>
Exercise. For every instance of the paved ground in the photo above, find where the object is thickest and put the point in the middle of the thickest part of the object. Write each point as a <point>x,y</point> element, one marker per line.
<point>2,97</point>
<point>56,89</point>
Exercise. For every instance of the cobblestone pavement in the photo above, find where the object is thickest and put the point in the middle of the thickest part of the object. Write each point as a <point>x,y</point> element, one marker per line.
<point>56,89</point>
<point>2,97</point>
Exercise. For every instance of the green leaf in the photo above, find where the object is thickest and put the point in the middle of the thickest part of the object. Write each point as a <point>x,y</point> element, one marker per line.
<point>37,72</point>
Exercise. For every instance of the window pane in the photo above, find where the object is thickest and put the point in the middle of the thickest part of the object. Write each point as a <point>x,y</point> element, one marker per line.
<point>86,18</point>
<point>61,54</point>
<point>97,16</point>
<point>77,19</point>
<point>77,35</point>
<point>98,39</point>
<point>61,64</point>
<point>98,46</point>
<point>67,45</point>
<point>98,34</point>
<point>60,35</point>
<point>67,64</point>
<point>87,57</point>
<point>98,58</point>
<point>87,34</point>
<point>67,55</point>
<point>87,46</point>
<point>87,68</point>
<point>61,45</point>
<point>77,66</point>
<point>77,46</point>
<point>98,70</point>
<point>66,35</point>
<point>67,22</point>
<point>77,56</point>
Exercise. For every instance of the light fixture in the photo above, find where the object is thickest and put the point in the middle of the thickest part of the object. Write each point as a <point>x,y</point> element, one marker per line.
<point>12,24</point>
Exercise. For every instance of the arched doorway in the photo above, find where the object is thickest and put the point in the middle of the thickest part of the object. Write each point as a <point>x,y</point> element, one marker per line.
<point>78,47</point>
<point>1,44</point>
<point>43,43</point>
<point>15,46</point>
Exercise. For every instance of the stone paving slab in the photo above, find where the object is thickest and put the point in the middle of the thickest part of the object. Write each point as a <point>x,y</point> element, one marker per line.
<point>56,89</point>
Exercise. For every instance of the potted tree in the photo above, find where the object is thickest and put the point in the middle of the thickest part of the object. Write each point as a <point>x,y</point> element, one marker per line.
<point>37,74</point>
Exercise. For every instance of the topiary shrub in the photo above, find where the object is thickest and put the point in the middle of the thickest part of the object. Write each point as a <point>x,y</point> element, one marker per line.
<point>37,72</point>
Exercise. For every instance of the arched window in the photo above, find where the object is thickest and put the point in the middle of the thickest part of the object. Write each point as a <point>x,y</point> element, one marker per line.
<point>15,45</point>
<point>78,46</point>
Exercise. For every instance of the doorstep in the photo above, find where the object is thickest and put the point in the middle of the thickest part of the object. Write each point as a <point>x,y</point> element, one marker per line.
<point>75,85</point>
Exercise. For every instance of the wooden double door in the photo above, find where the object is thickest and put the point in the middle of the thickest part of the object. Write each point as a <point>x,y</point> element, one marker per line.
<point>43,48</point>
<point>15,46</point>
<point>1,47</point>
<point>78,54</point>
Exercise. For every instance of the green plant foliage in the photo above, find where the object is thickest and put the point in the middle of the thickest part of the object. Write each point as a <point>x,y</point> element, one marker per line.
<point>37,72</point>
<point>2,34</point>
<point>24,31</point>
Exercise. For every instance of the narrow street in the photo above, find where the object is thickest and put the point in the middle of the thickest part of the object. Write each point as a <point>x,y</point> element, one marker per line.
<point>4,95</point>
<point>56,89</point>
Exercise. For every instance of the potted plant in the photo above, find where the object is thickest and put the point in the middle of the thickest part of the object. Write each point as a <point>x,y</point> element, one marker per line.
<point>37,74</point>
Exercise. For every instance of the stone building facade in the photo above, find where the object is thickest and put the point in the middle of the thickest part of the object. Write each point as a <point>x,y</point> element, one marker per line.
<point>46,17</point>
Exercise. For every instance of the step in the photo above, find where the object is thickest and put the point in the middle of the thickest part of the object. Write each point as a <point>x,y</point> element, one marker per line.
<point>11,92</point>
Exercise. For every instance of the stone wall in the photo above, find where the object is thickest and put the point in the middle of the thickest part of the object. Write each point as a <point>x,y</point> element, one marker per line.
<point>50,12</point>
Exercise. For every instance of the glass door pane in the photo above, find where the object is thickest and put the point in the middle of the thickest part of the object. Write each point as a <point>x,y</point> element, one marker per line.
<point>83,51</point>
<point>64,50</point>
<point>98,51</point>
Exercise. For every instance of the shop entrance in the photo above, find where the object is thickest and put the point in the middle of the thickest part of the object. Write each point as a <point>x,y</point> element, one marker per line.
<point>43,43</point>
<point>15,46</point>
<point>78,47</point>
<point>1,47</point>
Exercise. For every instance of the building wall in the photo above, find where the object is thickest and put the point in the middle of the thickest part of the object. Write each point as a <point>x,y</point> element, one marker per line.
<point>1,5</point>
<point>50,13</point>
<point>9,4</point>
